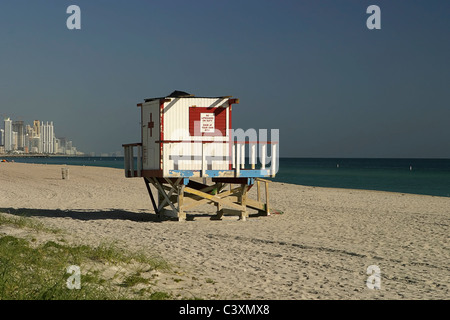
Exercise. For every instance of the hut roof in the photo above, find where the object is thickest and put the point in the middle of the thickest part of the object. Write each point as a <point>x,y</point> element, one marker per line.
<point>181,94</point>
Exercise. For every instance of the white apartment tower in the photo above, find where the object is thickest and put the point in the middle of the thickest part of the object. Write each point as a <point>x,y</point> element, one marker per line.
<point>8,135</point>
<point>47,137</point>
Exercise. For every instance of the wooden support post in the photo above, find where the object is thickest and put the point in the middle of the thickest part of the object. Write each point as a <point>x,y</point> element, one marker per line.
<point>131,161</point>
<point>160,198</point>
<point>125,160</point>
<point>147,184</point>
<point>219,214</point>
<point>204,164</point>
<point>267,198</point>
<point>139,161</point>
<point>243,201</point>
<point>181,213</point>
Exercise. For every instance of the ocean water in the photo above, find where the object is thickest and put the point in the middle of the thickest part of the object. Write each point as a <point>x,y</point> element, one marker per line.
<point>417,176</point>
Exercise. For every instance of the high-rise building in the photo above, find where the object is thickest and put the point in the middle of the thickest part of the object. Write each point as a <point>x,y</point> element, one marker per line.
<point>2,137</point>
<point>8,135</point>
<point>14,144</point>
<point>47,137</point>
<point>28,137</point>
<point>35,145</point>
<point>37,128</point>
<point>17,126</point>
<point>62,145</point>
<point>57,146</point>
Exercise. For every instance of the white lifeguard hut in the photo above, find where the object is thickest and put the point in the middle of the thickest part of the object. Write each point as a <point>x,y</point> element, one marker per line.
<point>185,139</point>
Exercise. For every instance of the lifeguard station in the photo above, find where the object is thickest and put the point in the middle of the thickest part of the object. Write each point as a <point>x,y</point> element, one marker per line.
<point>190,154</point>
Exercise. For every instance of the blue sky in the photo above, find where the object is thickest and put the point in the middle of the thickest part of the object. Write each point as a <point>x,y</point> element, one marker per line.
<point>309,68</point>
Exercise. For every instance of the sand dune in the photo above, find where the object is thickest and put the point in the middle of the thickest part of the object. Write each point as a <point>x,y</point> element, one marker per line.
<point>319,248</point>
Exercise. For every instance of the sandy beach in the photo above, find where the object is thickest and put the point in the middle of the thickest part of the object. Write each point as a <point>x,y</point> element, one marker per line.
<point>319,248</point>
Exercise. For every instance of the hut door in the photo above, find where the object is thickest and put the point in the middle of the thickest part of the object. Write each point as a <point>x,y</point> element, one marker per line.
<point>150,134</point>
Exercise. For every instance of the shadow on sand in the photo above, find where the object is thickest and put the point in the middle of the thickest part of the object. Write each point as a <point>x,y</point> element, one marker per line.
<point>81,214</point>
<point>112,214</point>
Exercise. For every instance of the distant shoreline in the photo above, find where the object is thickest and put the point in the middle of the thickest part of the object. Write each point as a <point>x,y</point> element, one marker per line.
<point>38,155</point>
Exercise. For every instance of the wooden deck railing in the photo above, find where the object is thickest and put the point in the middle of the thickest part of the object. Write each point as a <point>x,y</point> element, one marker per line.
<point>129,160</point>
<point>238,157</point>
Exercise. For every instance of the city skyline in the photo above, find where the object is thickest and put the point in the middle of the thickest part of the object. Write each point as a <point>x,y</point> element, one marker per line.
<point>16,137</point>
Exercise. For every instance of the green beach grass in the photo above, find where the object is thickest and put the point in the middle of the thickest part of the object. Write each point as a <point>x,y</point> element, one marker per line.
<point>32,271</point>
